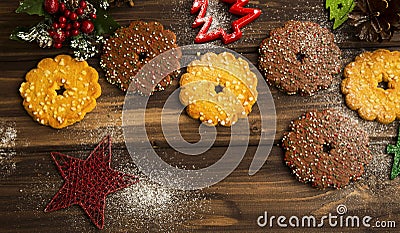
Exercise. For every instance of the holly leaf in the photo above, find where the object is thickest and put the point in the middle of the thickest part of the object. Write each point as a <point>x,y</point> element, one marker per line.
<point>104,23</point>
<point>339,10</point>
<point>31,7</point>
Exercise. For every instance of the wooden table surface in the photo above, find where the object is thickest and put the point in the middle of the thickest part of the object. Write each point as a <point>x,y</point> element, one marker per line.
<point>29,178</point>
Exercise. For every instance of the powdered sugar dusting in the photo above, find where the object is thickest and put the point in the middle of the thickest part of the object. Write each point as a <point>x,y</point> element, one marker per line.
<point>252,33</point>
<point>219,11</point>
<point>8,135</point>
<point>378,170</point>
<point>306,11</point>
<point>142,207</point>
<point>220,15</point>
<point>182,25</point>
<point>375,187</point>
<point>149,206</point>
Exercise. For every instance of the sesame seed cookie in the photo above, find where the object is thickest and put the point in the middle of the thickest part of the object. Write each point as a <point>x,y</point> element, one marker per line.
<point>300,57</point>
<point>218,89</point>
<point>60,91</point>
<point>130,48</point>
<point>204,103</point>
<point>326,149</point>
<point>372,85</point>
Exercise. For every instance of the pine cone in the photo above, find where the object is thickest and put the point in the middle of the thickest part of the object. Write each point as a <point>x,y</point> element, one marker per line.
<point>376,19</point>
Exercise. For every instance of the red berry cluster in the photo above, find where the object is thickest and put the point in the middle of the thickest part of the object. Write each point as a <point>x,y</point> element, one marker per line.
<point>68,22</point>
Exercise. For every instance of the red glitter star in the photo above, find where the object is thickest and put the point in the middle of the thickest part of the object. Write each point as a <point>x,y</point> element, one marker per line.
<point>88,182</point>
<point>200,6</point>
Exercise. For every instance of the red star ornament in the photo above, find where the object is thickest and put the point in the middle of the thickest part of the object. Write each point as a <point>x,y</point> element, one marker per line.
<point>88,182</point>
<point>200,7</point>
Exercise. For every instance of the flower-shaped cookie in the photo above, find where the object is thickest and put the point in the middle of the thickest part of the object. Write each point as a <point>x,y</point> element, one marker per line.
<point>130,48</point>
<point>372,85</point>
<point>60,91</point>
<point>300,57</point>
<point>218,89</point>
<point>326,149</point>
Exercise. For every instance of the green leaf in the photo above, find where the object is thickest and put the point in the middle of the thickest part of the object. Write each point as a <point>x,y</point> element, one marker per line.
<point>31,7</point>
<point>339,10</point>
<point>104,24</point>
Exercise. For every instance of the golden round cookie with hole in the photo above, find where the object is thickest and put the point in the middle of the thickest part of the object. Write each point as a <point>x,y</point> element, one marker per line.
<point>372,85</point>
<point>60,91</point>
<point>218,89</point>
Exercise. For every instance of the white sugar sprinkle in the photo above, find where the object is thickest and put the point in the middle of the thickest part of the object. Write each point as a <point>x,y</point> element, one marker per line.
<point>8,135</point>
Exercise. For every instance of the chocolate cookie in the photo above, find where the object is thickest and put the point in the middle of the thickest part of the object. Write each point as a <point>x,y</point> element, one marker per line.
<point>300,57</point>
<point>131,48</point>
<point>326,149</point>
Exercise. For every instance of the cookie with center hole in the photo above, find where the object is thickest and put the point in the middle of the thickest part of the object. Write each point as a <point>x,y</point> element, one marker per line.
<point>218,89</point>
<point>300,58</point>
<point>60,91</point>
<point>326,149</point>
<point>372,85</point>
<point>131,48</point>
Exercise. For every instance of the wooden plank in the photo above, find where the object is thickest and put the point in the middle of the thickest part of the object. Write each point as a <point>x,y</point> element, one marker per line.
<point>232,205</point>
<point>174,14</point>
<point>107,117</point>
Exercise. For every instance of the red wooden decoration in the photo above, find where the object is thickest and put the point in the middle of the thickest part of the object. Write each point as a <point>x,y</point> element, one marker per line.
<point>200,7</point>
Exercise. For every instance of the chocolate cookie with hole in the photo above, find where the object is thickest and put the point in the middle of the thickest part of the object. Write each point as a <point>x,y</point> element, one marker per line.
<point>326,149</point>
<point>130,48</point>
<point>300,58</point>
